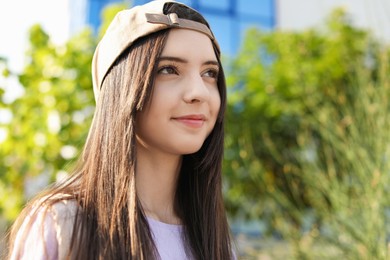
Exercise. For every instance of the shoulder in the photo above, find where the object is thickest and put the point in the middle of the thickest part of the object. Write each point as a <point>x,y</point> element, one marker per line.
<point>63,211</point>
<point>46,231</point>
<point>64,214</point>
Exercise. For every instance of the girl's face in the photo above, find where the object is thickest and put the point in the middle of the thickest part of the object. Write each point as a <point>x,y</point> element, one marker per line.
<point>185,102</point>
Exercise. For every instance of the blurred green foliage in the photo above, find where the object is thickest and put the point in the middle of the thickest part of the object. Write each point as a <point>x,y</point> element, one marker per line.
<point>274,82</point>
<point>307,137</point>
<point>51,119</point>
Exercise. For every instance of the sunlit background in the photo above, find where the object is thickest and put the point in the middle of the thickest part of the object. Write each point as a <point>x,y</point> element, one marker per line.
<point>228,18</point>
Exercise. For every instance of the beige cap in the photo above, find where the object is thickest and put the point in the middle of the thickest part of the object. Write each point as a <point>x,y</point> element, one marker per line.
<point>131,24</point>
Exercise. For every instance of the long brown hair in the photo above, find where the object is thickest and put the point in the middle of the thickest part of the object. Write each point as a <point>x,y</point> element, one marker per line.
<point>110,223</point>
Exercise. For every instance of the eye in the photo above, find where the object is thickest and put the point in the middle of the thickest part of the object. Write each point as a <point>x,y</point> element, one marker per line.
<point>168,69</point>
<point>211,73</point>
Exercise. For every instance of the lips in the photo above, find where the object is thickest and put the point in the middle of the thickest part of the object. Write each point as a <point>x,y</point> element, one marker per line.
<point>193,121</point>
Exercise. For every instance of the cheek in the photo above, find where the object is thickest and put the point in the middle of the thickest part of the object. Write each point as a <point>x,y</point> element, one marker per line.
<point>216,102</point>
<point>215,106</point>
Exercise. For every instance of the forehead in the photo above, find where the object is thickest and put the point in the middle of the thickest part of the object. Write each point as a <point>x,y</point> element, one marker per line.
<point>190,44</point>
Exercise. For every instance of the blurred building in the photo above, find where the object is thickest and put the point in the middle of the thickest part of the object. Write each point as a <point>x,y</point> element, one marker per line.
<point>229,19</point>
<point>373,15</point>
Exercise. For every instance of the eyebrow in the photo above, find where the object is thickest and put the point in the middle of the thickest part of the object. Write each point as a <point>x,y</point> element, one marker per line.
<point>181,60</point>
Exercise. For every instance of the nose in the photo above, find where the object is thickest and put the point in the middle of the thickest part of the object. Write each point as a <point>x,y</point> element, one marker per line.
<point>196,90</point>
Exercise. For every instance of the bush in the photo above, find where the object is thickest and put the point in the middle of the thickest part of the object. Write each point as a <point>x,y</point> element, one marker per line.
<point>307,148</point>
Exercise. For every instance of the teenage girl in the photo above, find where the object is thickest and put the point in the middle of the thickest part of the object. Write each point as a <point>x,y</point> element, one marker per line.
<point>148,184</point>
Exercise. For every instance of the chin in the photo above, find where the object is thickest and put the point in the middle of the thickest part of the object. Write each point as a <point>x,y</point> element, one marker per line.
<point>190,149</point>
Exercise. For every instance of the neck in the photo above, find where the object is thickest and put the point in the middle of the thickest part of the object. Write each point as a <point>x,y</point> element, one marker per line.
<point>156,180</point>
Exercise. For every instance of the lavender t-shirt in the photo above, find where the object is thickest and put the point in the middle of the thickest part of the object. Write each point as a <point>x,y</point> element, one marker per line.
<point>49,234</point>
<point>168,240</point>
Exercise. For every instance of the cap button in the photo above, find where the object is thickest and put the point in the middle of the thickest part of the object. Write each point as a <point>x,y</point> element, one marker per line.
<point>173,19</point>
